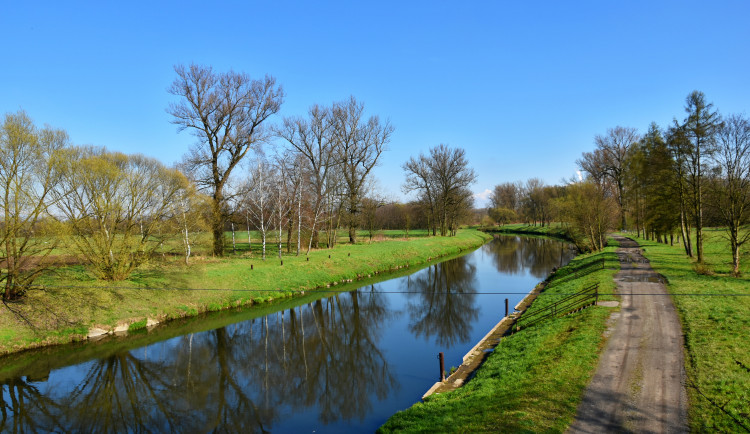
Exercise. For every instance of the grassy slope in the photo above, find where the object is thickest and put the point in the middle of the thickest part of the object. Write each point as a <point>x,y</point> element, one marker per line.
<point>535,378</point>
<point>717,331</point>
<point>74,300</point>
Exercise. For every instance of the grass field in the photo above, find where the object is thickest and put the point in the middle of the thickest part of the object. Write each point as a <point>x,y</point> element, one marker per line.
<point>714,309</point>
<point>535,378</point>
<point>73,301</point>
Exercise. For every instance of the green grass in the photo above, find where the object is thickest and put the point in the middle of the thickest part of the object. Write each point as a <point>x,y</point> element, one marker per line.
<point>165,290</point>
<point>716,329</point>
<point>535,378</point>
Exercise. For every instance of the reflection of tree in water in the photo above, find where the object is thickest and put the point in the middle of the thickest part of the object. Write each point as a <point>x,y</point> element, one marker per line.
<point>343,364</point>
<point>240,378</point>
<point>441,301</point>
<point>119,394</point>
<point>513,255</point>
<point>25,409</point>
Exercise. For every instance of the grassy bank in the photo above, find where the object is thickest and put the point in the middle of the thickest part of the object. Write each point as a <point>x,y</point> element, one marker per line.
<point>554,230</point>
<point>535,378</point>
<point>74,301</point>
<point>715,319</point>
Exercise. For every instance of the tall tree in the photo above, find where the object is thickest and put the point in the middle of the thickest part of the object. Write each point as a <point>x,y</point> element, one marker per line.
<point>419,179</point>
<point>359,143</point>
<point>443,177</point>
<point>312,138</point>
<point>29,171</point>
<point>654,185</point>
<point>609,158</point>
<point>259,199</point>
<point>700,128</point>
<point>679,148</point>
<point>226,112</point>
<point>731,184</point>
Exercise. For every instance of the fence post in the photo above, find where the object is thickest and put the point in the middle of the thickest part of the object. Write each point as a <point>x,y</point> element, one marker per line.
<point>441,357</point>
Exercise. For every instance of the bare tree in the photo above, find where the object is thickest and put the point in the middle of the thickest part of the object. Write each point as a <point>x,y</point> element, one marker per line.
<point>312,139</point>
<point>283,199</point>
<point>609,161</point>
<point>731,185</point>
<point>187,216</point>
<point>226,112</point>
<point>29,171</point>
<point>442,179</point>
<point>419,179</point>
<point>258,191</point>
<point>507,195</point>
<point>359,143</point>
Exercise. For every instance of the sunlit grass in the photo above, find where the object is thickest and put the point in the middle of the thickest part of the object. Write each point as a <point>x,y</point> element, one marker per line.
<point>74,300</point>
<point>715,316</point>
<point>535,378</point>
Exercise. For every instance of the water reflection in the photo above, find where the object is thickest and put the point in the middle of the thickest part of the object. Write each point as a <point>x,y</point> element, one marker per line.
<point>330,362</point>
<point>441,301</point>
<point>236,379</point>
<point>537,256</point>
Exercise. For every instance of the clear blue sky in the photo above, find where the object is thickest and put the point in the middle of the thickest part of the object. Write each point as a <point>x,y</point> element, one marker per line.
<point>522,86</point>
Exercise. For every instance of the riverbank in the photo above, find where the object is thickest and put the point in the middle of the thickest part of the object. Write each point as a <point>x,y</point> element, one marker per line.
<point>714,309</point>
<point>74,305</point>
<point>535,378</point>
<point>553,230</point>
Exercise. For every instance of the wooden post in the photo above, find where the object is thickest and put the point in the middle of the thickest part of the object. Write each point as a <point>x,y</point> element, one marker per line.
<point>441,357</point>
<point>506,307</point>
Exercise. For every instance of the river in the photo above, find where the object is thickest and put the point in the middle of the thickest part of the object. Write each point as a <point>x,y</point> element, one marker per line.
<point>343,363</point>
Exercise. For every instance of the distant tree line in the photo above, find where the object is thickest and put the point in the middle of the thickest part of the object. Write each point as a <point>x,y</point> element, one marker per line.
<point>666,184</point>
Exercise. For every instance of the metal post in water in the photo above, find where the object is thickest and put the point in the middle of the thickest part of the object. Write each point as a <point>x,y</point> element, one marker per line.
<point>442,366</point>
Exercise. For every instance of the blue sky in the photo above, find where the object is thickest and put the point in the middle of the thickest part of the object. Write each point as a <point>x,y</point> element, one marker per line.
<point>522,86</point>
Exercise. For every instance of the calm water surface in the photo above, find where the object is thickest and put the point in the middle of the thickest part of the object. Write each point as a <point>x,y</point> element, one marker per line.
<point>339,364</point>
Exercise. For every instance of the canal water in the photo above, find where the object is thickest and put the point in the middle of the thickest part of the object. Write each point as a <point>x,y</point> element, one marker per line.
<point>343,363</point>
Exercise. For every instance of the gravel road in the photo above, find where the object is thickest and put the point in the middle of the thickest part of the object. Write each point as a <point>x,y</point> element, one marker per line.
<point>639,385</point>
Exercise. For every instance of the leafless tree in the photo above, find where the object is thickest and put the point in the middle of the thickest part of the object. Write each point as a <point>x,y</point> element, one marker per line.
<point>419,179</point>
<point>731,184</point>
<point>226,112</point>
<point>608,161</point>
<point>187,216</point>
<point>442,179</point>
<point>312,139</point>
<point>359,143</point>
<point>507,195</point>
<point>258,194</point>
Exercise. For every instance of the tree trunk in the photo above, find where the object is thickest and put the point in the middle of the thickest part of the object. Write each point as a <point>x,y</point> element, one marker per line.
<point>217,226</point>
<point>685,235</point>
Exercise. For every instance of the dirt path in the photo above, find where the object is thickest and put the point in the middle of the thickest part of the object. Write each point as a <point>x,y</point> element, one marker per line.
<point>639,385</point>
